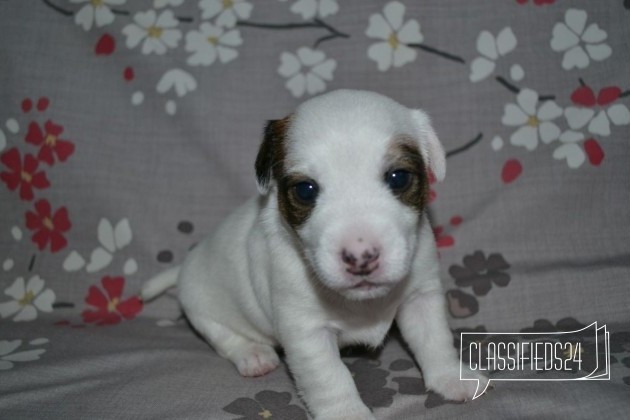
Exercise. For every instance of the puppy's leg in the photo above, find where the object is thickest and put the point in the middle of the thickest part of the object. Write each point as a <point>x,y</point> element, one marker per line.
<point>422,321</point>
<point>322,378</point>
<point>249,357</point>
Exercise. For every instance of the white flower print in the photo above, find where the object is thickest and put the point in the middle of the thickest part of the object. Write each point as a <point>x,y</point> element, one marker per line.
<point>310,9</point>
<point>490,49</point>
<point>178,80</point>
<point>396,35</point>
<point>95,12</point>
<point>534,122</point>
<point>111,238</point>
<point>228,11</point>
<point>211,42</point>
<point>568,37</point>
<point>598,122</point>
<point>8,354</point>
<point>28,298</point>
<point>158,32</point>
<point>307,71</point>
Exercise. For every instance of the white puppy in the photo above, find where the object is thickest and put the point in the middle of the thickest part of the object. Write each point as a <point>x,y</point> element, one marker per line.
<point>335,248</point>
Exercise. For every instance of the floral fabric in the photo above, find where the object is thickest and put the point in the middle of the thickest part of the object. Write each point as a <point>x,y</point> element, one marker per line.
<point>128,130</point>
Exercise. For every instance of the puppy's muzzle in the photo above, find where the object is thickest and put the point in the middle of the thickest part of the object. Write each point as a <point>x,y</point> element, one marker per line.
<point>360,258</point>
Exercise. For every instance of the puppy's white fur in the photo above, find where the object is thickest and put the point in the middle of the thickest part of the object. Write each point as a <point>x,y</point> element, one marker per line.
<point>259,283</point>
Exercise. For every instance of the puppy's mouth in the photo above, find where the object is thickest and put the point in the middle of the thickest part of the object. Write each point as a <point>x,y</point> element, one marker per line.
<point>365,285</point>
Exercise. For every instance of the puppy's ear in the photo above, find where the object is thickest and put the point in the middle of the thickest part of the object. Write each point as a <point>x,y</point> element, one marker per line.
<point>430,146</point>
<point>271,154</point>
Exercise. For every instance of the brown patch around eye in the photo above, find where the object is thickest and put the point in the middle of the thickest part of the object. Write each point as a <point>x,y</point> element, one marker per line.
<point>270,164</point>
<point>403,154</point>
<point>294,210</point>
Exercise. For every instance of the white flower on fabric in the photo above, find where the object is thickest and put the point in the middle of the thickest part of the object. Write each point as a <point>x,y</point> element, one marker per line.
<point>579,42</point>
<point>158,4</point>
<point>28,298</point>
<point>490,49</point>
<point>95,12</point>
<point>310,9</point>
<point>157,32</point>
<point>534,122</point>
<point>8,354</point>
<point>111,239</point>
<point>396,35</point>
<point>181,82</point>
<point>307,71</point>
<point>570,150</point>
<point>598,122</point>
<point>228,11</point>
<point>211,42</point>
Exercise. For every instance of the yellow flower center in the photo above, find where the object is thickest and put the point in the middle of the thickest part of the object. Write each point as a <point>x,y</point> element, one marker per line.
<point>213,40</point>
<point>393,40</point>
<point>27,298</point>
<point>155,32</point>
<point>533,121</point>
<point>265,414</point>
<point>26,177</point>
<point>113,304</point>
<point>97,3</point>
<point>50,140</point>
<point>227,4</point>
<point>48,223</point>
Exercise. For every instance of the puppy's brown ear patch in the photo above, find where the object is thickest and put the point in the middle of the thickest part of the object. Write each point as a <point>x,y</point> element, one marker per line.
<point>270,159</point>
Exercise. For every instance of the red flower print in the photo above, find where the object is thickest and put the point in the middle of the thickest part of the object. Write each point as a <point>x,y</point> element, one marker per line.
<point>51,144</point>
<point>536,2</point>
<point>442,240</point>
<point>109,308</point>
<point>585,96</point>
<point>49,227</point>
<point>22,174</point>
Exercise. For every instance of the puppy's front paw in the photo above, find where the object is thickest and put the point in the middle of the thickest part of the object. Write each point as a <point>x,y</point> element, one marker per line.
<point>255,360</point>
<point>448,384</point>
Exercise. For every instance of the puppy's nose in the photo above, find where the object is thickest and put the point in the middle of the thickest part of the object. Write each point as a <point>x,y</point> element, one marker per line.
<point>360,257</point>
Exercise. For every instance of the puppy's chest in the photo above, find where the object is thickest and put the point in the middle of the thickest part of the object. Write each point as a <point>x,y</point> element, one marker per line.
<point>363,331</point>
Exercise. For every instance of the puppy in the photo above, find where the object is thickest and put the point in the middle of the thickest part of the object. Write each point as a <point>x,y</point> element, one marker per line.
<point>334,249</point>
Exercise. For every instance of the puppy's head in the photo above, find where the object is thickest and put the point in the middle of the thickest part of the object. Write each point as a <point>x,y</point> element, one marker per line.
<point>349,172</point>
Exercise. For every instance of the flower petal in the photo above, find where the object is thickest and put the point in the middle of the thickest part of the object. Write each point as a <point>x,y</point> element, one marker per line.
<point>594,34</point>
<point>9,308</point>
<point>410,33</point>
<point>325,70</point>
<point>576,57</point>
<point>549,111</point>
<point>578,117</point>
<point>45,300</point>
<point>576,20</point>
<point>526,136</point>
<point>480,69</point>
<point>378,27</point>
<point>25,356</point>
<point>35,285</point>
<point>527,99</point>
<point>289,64</point>
<point>7,347</point>
<point>619,114</point>
<point>382,53</point>
<point>394,12</point>
<point>563,38</point>
<point>28,313</point>
<point>297,85</point>
<point>513,115</point>
<point>600,124</point>
<point>403,55</point>
<point>17,290</point>
<point>486,45</point>
<point>599,52</point>
<point>548,132</point>
<point>114,286</point>
<point>506,41</point>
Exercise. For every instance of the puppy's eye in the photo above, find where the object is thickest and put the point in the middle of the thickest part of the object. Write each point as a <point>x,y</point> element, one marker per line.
<point>306,192</point>
<point>398,180</point>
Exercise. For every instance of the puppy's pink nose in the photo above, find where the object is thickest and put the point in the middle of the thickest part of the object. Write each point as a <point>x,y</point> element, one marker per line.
<point>360,257</point>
